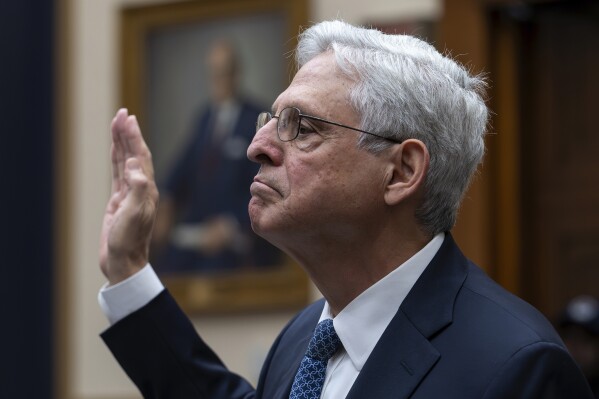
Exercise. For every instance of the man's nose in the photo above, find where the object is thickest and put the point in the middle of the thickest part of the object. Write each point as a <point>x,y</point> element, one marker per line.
<point>266,148</point>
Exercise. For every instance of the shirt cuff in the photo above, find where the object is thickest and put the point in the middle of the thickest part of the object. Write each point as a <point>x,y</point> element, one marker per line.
<point>120,300</point>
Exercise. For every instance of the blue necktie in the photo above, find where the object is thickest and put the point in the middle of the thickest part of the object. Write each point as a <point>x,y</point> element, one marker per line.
<point>310,376</point>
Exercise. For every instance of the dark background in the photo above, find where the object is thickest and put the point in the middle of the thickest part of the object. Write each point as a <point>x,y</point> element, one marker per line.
<point>26,198</point>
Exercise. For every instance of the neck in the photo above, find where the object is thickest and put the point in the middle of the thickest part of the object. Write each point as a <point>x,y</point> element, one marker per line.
<point>343,269</point>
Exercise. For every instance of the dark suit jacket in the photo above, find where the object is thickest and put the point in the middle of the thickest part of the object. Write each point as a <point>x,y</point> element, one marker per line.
<point>456,335</point>
<point>212,177</point>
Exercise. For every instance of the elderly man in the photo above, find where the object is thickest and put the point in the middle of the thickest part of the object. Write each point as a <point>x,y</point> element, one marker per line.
<point>363,162</point>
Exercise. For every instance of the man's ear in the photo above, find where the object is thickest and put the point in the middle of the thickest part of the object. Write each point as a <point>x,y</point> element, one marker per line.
<point>408,164</point>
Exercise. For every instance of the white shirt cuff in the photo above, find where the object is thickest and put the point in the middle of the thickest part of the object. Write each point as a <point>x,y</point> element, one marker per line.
<point>120,300</point>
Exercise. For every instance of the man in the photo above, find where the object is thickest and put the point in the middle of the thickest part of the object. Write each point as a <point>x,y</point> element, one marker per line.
<point>202,222</point>
<point>363,162</point>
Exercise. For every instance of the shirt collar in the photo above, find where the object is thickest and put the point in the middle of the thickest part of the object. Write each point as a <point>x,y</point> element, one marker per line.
<point>362,322</point>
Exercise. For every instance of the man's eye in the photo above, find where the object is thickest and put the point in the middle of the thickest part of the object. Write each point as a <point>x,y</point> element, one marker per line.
<point>305,129</point>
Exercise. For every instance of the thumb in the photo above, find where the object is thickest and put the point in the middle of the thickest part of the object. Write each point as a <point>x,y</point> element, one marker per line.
<point>141,201</point>
<point>135,178</point>
<point>133,164</point>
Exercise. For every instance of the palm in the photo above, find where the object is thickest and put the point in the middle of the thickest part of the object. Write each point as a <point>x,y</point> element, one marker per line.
<point>127,225</point>
<point>110,226</point>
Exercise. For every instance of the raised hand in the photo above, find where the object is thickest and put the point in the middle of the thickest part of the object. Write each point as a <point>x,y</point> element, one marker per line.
<point>131,209</point>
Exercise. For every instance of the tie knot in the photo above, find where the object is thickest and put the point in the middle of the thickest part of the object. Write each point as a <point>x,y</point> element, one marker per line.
<point>324,342</point>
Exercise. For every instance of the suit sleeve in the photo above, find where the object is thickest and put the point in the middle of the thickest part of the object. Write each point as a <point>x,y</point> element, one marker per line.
<point>163,355</point>
<point>539,371</point>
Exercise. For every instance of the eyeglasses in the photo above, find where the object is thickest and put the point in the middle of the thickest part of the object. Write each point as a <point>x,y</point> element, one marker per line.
<point>289,124</point>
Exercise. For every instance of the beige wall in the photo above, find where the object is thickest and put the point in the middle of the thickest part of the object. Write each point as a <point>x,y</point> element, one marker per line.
<point>91,372</point>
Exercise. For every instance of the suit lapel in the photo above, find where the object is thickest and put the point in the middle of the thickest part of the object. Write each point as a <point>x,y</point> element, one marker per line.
<point>289,352</point>
<point>404,355</point>
<point>287,375</point>
<point>397,364</point>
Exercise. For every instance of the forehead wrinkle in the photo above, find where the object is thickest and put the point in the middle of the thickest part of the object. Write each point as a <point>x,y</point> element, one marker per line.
<point>304,100</point>
<point>305,107</point>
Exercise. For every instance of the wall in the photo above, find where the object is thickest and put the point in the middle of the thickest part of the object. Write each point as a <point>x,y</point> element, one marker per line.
<point>89,371</point>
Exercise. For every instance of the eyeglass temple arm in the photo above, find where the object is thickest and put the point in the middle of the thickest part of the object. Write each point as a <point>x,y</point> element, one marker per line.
<point>348,127</point>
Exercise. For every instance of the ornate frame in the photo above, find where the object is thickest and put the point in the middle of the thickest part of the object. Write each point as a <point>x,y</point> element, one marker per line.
<point>284,287</point>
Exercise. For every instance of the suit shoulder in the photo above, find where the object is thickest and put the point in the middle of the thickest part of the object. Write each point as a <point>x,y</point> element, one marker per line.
<point>504,310</point>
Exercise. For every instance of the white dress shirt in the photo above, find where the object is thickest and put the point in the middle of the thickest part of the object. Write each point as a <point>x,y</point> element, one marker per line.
<point>362,322</point>
<point>359,325</point>
<point>124,298</point>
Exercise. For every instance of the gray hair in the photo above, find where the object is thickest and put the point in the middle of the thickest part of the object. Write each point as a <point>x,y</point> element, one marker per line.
<point>406,89</point>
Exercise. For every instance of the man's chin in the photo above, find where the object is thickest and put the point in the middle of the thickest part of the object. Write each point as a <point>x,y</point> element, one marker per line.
<point>256,212</point>
<point>260,224</point>
<point>257,209</point>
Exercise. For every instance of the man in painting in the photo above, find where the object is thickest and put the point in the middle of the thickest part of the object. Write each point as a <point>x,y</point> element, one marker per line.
<point>364,159</point>
<point>202,222</point>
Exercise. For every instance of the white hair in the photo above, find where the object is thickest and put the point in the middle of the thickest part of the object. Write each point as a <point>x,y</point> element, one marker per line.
<point>406,89</point>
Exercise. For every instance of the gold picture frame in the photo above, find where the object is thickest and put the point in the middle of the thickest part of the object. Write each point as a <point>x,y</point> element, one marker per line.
<point>285,286</point>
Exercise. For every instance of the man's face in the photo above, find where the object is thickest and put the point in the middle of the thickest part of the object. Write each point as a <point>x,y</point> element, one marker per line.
<point>319,187</point>
<point>223,77</point>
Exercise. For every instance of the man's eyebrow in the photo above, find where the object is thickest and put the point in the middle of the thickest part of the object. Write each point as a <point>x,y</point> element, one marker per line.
<point>273,110</point>
<point>291,105</point>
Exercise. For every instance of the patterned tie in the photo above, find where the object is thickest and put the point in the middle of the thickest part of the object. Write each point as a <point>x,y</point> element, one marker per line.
<point>310,376</point>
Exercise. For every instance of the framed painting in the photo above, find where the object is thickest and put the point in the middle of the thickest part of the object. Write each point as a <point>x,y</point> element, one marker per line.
<point>196,74</point>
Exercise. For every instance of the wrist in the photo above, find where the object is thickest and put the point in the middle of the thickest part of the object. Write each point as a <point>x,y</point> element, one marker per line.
<point>118,271</point>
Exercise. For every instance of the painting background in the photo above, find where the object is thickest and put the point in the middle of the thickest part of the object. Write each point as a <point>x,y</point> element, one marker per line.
<point>177,77</point>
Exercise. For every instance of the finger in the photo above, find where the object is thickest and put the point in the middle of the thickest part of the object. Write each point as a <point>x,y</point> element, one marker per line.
<point>136,179</point>
<point>136,147</point>
<point>142,196</point>
<point>116,178</point>
<point>118,122</point>
<point>117,150</point>
<point>142,189</point>
<point>121,150</point>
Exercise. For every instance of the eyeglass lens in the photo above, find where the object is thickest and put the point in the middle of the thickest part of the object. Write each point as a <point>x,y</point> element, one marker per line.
<point>263,119</point>
<point>287,123</point>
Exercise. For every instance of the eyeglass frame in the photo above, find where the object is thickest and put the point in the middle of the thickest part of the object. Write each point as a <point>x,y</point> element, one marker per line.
<point>316,118</point>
